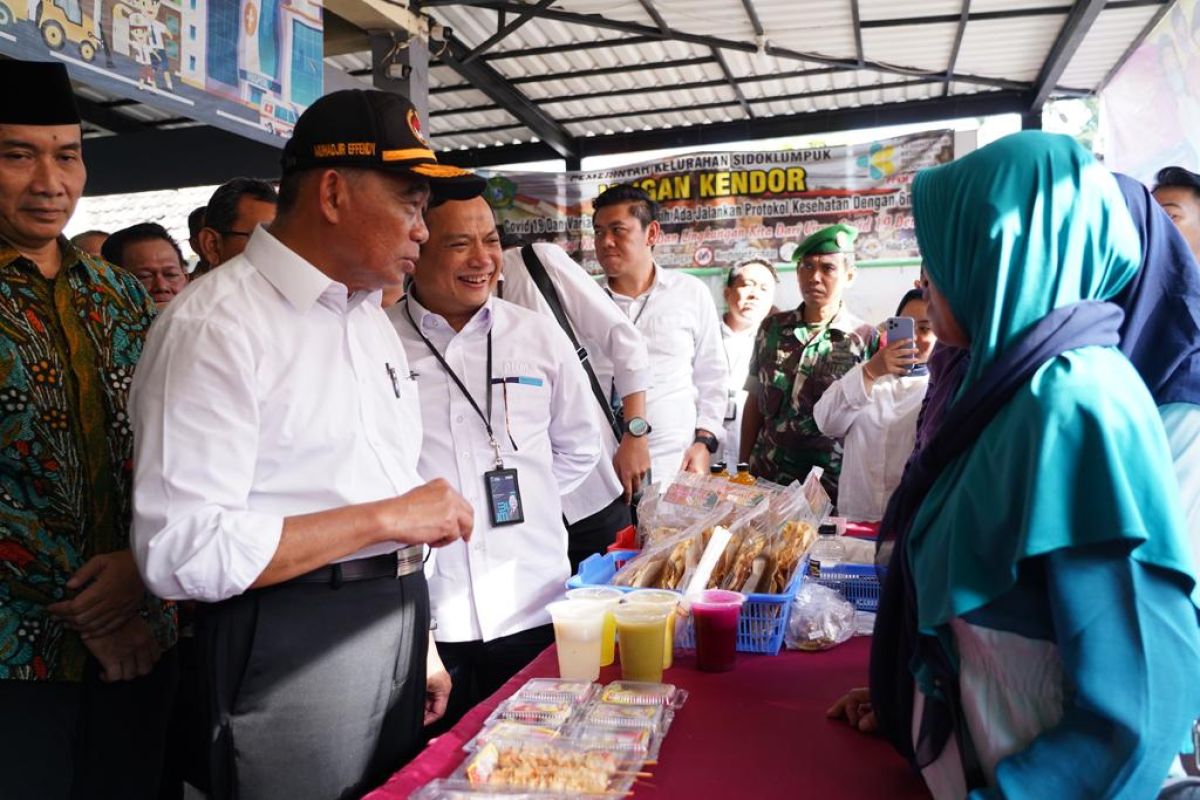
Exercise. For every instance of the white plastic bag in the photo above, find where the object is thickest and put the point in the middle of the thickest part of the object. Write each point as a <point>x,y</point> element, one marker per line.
<point>821,619</point>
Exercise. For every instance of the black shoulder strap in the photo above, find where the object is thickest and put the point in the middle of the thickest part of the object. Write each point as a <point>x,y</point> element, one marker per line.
<point>541,279</point>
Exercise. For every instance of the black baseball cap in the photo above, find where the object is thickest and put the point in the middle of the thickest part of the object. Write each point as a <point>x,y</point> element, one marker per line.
<point>1177,176</point>
<point>370,129</point>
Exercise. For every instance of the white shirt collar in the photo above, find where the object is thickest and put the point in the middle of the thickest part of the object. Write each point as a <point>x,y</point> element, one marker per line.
<point>301,283</point>
<point>427,321</point>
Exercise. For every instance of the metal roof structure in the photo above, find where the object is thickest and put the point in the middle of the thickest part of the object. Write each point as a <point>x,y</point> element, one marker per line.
<point>525,80</point>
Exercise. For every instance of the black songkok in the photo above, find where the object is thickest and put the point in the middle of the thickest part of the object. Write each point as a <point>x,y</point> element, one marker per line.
<point>36,93</point>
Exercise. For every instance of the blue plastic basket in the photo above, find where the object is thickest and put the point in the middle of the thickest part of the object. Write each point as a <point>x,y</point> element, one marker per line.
<point>764,616</point>
<point>858,583</point>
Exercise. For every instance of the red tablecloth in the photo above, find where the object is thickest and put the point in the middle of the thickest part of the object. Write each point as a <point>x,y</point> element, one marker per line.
<point>759,731</point>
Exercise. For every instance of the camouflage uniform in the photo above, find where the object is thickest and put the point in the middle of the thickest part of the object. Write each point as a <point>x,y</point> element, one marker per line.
<point>792,365</point>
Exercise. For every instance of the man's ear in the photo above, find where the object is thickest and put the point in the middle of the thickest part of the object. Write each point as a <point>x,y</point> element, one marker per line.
<point>653,232</point>
<point>210,245</point>
<point>333,195</point>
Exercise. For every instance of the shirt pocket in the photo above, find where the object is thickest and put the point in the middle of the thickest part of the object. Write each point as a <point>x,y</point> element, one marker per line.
<point>521,410</point>
<point>670,335</point>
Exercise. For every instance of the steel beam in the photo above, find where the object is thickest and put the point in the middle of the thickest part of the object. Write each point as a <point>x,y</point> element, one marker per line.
<point>635,28</point>
<point>1135,44</point>
<point>752,14</point>
<point>958,39</point>
<point>940,108</point>
<point>491,83</point>
<point>505,30</point>
<point>1074,30</point>
<point>856,20</point>
<point>733,84</point>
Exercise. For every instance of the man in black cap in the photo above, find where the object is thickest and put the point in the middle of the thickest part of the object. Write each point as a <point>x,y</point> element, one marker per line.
<point>278,434</point>
<point>87,663</point>
<point>1177,190</point>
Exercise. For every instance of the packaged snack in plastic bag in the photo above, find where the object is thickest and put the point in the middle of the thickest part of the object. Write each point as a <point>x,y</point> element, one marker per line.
<point>553,766</point>
<point>821,619</point>
<point>662,564</point>
<point>551,690</point>
<point>460,789</point>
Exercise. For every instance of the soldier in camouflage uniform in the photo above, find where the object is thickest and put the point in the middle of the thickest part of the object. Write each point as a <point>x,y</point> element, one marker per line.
<point>797,355</point>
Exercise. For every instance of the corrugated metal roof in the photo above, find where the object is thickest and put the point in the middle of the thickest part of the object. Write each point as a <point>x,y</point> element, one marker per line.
<point>712,65</point>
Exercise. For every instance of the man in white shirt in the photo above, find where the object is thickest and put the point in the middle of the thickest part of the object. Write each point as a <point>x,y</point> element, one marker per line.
<point>276,443</point>
<point>677,317</point>
<point>599,508</point>
<point>504,404</point>
<point>749,295</point>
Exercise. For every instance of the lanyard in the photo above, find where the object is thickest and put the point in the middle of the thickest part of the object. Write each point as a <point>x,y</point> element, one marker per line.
<point>645,304</point>
<point>487,418</point>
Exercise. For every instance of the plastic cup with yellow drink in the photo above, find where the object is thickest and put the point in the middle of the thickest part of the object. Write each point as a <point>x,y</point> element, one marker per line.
<point>610,598</point>
<point>641,630</point>
<point>667,600</point>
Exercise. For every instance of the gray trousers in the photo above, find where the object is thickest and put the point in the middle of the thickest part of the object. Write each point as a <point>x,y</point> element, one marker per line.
<point>315,691</point>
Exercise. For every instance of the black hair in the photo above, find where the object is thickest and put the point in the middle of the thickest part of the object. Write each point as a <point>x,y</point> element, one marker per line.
<point>1177,177</point>
<point>77,237</point>
<point>642,205</point>
<point>113,249</point>
<point>196,220</point>
<point>909,296</point>
<point>222,209</point>
<point>736,270</point>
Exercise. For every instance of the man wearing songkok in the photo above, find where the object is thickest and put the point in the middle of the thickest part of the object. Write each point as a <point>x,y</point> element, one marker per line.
<point>506,411</point>
<point>535,276</point>
<point>675,314</point>
<point>87,664</point>
<point>277,443</point>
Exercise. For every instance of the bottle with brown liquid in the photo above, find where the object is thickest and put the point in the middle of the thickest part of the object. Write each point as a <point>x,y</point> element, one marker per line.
<point>743,475</point>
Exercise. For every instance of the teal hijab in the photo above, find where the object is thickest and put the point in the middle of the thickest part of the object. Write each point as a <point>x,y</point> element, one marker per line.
<point>1022,227</point>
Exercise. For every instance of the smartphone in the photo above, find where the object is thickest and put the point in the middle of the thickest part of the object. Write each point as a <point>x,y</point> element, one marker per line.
<point>897,328</point>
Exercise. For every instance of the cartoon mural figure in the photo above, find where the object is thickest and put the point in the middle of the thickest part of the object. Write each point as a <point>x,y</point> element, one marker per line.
<point>139,46</point>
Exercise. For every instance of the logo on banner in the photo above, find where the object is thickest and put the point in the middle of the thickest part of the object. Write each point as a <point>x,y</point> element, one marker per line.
<point>703,256</point>
<point>878,161</point>
<point>250,18</point>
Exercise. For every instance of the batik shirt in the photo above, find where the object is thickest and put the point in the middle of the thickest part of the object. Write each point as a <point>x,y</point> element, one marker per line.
<point>68,347</point>
<point>792,365</point>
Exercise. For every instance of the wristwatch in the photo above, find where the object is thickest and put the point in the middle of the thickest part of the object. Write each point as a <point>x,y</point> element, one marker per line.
<point>637,427</point>
<point>706,439</point>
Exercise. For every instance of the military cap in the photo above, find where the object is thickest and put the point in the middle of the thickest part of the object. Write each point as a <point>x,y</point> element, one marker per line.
<point>837,238</point>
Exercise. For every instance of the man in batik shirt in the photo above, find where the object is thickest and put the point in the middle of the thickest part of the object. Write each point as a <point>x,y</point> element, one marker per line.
<point>797,355</point>
<point>86,659</point>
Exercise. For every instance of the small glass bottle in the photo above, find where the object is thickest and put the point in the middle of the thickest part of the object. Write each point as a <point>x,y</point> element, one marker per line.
<point>717,470</point>
<point>827,552</point>
<point>743,475</point>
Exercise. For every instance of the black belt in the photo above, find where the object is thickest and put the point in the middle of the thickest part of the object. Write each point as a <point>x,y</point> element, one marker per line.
<point>404,561</point>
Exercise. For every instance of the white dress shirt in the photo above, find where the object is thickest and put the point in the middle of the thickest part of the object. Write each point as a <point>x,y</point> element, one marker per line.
<point>500,582</point>
<point>263,392</point>
<point>678,319</point>
<point>880,428</point>
<point>739,346</point>
<point>605,333</point>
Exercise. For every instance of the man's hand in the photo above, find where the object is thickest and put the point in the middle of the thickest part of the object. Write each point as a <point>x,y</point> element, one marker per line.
<point>437,685</point>
<point>128,652</point>
<point>632,461</point>
<point>112,593</point>
<point>432,514</point>
<point>855,708</point>
<point>695,459</point>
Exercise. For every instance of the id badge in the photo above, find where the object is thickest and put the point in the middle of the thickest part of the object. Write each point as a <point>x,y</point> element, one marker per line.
<point>731,408</point>
<point>504,497</point>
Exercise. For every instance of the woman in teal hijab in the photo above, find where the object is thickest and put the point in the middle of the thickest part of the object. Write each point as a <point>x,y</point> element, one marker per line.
<point>1053,593</point>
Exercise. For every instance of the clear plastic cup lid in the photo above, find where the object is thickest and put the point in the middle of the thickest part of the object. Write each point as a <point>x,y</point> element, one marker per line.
<point>653,596</point>
<point>595,593</point>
